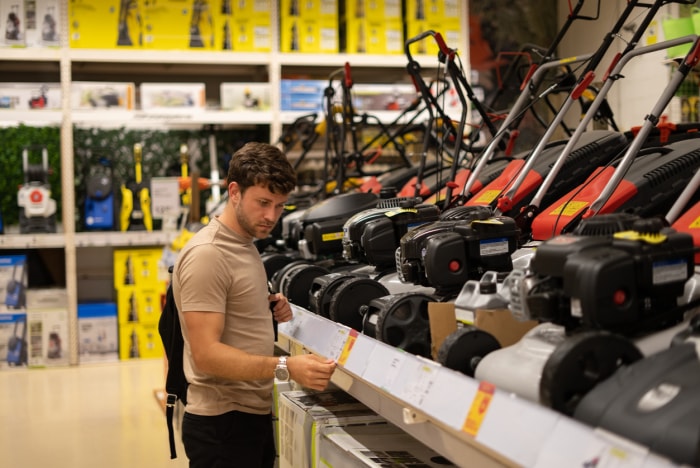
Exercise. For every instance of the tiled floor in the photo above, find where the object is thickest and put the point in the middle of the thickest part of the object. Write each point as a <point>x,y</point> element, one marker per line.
<point>92,415</point>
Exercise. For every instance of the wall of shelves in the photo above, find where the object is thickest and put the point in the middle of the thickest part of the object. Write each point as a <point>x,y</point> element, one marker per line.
<point>65,65</point>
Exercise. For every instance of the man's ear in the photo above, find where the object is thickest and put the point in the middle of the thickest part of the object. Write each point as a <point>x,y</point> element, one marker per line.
<point>233,190</point>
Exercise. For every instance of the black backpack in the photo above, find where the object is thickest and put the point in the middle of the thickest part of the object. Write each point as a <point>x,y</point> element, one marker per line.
<point>173,343</point>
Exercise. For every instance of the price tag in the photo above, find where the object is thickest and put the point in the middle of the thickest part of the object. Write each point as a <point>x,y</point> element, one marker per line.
<point>349,343</point>
<point>165,196</point>
<point>479,407</point>
<point>419,377</point>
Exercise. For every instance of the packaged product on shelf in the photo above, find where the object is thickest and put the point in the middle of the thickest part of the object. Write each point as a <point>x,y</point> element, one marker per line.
<point>139,341</point>
<point>365,36</point>
<point>309,35</point>
<point>180,25</point>
<point>98,339</point>
<point>248,34</point>
<point>302,95</point>
<point>13,15</point>
<point>303,415</point>
<point>47,327</point>
<point>43,23</point>
<point>375,445</point>
<point>172,97</point>
<point>326,10</point>
<point>34,96</point>
<point>383,97</point>
<point>245,96</point>
<point>450,30</point>
<point>102,95</point>
<point>13,340</point>
<point>13,283</point>
<point>105,24</point>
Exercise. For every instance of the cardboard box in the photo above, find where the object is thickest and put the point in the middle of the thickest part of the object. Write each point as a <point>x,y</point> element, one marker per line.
<point>249,34</point>
<point>138,268</point>
<point>14,349</point>
<point>107,24</point>
<point>139,305</point>
<point>14,32</point>
<point>326,10</point>
<point>436,12</point>
<point>139,341</point>
<point>375,445</point>
<point>181,24</point>
<point>309,35</point>
<point>102,95</point>
<point>383,97</point>
<point>450,31</point>
<point>47,325</point>
<point>43,23</point>
<point>26,96</point>
<point>303,417</point>
<point>172,97</point>
<point>373,36</point>
<point>374,10</point>
<point>245,96</point>
<point>13,283</point>
<point>98,340</point>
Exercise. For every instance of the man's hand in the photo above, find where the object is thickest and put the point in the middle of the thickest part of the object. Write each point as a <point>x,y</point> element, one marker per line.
<point>281,310</point>
<point>310,370</point>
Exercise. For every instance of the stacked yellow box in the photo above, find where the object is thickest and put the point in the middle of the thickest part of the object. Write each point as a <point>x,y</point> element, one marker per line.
<point>140,291</point>
<point>243,25</point>
<point>431,15</point>
<point>309,26</point>
<point>373,27</point>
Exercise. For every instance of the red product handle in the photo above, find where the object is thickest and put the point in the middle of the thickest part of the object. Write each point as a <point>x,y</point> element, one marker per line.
<point>449,53</point>
<point>692,58</point>
<point>348,76</point>
<point>581,87</point>
<point>612,65</point>
<point>530,72</point>
<point>511,142</point>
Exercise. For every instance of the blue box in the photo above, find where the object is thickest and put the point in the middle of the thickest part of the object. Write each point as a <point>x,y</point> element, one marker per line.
<point>14,348</point>
<point>13,282</point>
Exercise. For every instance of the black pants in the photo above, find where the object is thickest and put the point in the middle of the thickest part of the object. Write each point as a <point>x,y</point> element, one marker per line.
<point>233,439</point>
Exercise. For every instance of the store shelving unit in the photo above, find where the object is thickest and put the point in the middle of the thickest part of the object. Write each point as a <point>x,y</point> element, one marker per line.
<point>70,65</point>
<point>471,423</point>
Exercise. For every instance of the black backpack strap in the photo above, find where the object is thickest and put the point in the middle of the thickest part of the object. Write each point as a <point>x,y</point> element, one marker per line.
<point>169,414</point>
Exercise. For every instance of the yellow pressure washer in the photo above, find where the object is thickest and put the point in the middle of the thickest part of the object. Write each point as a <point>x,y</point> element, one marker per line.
<point>136,199</point>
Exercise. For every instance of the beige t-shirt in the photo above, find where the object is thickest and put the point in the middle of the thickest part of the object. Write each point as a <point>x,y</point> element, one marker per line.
<point>218,271</point>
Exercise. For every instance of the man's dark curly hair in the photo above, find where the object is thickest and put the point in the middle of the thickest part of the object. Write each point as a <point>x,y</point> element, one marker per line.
<point>261,164</point>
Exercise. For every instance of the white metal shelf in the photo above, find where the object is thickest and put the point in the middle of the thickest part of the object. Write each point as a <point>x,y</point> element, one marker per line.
<point>87,239</point>
<point>469,422</point>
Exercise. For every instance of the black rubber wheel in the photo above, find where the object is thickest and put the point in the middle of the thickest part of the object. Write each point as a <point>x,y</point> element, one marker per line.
<point>579,363</point>
<point>322,290</point>
<point>464,348</point>
<point>278,276</point>
<point>403,323</point>
<point>347,303</point>
<point>295,284</point>
<point>274,261</point>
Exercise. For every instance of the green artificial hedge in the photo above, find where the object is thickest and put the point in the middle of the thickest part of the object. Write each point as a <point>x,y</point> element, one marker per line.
<point>161,157</point>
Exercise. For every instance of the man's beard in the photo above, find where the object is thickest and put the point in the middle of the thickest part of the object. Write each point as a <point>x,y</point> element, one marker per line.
<point>250,228</point>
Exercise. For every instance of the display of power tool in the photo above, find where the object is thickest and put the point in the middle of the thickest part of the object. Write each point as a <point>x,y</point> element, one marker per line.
<point>654,401</point>
<point>319,230</point>
<point>37,209</point>
<point>372,236</point>
<point>464,244</point>
<point>100,199</point>
<point>654,180</point>
<point>136,199</point>
<point>628,283</point>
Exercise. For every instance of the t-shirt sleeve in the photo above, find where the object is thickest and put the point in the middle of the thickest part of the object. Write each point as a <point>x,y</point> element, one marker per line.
<point>203,284</point>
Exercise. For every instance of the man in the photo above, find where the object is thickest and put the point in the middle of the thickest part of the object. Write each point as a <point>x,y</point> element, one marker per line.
<point>220,288</point>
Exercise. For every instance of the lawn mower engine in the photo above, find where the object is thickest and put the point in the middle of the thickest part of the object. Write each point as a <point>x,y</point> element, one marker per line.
<point>319,230</point>
<point>464,244</point>
<point>37,209</point>
<point>628,283</point>
<point>372,236</point>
